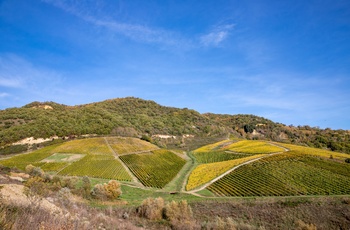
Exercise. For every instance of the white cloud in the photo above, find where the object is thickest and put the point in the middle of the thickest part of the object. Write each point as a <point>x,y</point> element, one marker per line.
<point>216,36</point>
<point>18,73</point>
<point>4,95</point>
<point>8,82</point>
<point>136,32</point>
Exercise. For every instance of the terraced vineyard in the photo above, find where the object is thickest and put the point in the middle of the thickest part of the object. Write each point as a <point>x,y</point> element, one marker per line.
<point>125,145</point>
<point>154,169</point>
<point>100,166</point>
<point>286,174</point>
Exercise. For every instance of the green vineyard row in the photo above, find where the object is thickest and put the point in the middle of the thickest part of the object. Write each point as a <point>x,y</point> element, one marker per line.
<point>154,169</point>
<point>286,174</point>
<point>100,166</point>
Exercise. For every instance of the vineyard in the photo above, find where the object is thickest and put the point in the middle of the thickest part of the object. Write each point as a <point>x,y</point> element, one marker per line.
<point>125,145</point>
<point>85,146</point>
<point>34,158</point>
<point>100,166</point>
<point>253,147</point>
<point>286,174</point>
<point>207,172</point>
<point>213,147</point>
<point>275,171</point>
<point>315,152</point>
<point>154,169</point>
<point>211,157</point>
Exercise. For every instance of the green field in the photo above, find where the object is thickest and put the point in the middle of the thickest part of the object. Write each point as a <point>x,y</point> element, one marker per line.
<point>154,169</point>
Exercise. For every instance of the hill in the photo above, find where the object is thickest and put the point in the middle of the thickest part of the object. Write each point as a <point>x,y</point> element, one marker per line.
<point>167,126</point>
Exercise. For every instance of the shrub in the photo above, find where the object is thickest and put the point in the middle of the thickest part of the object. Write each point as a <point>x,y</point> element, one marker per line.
<point>180,215</point>
<point>152,208</point>
<point>29,169</point>
<point>112,190</point>
<point>37,171</point>
<point>86,186</point>
<point>178,211</point>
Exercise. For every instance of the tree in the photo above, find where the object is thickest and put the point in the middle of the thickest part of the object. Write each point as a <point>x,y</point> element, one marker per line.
<point>248,128</point>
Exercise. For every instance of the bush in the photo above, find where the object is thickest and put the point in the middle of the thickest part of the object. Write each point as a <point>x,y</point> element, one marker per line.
<point>180,215</point>
<point>86,186</point>
<point>152,208</point>
<point>111,191</point>
<point>29,169</point>
<point>180,211</point>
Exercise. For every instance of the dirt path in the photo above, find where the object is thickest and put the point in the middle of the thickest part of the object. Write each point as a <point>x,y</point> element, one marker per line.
<point>279,146</point>
<point>194,192</point>
<point>183,156</point>
<point>116,156</point>
<point>177,182</point>
<point>193,165</point>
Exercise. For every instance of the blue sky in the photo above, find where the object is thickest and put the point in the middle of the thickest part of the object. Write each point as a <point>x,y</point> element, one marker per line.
<point>288,61</point>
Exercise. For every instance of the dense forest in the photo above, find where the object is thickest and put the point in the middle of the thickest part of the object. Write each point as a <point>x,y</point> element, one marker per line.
<point>137,117</point>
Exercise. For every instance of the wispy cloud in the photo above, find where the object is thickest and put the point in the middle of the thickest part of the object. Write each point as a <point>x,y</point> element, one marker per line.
<point>17,73</point>
<point>216,36</point>
<point>142,33</point>
<point>4,95</point>
<point>136,32</point>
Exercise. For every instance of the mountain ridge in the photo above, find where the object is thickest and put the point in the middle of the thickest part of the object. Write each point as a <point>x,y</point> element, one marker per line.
<point>137,117</point>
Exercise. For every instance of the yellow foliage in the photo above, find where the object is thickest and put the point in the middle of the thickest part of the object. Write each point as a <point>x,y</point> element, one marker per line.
<point>85,146</point>
<point>124,145</point>
<point>244,146</point>
<point>314,151</point>
<point>206,172</point>
<point>253,147</point>
<point>211,147</point>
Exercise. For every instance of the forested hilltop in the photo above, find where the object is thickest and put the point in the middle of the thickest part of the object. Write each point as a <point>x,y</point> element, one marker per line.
<point>137,117</point>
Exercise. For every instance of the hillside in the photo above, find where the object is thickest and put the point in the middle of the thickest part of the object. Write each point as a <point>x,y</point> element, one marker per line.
<point>135,117</point>
<point>69,177</point>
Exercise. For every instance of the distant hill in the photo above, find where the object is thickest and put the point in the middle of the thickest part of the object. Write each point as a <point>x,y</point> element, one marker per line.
<point>136,117</point>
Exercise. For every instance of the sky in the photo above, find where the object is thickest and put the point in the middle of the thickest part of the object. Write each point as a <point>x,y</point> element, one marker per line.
<point>288,61</point>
